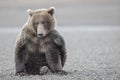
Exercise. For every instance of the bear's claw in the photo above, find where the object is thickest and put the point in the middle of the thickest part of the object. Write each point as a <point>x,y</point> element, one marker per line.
<point>20,74</point>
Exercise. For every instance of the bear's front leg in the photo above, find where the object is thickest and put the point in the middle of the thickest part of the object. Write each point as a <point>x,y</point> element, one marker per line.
<point>20,68</point>
<point>54,60</point>
<point>20,59</point>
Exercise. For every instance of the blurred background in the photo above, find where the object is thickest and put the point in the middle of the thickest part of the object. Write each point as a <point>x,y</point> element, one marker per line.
<point>68,12</point>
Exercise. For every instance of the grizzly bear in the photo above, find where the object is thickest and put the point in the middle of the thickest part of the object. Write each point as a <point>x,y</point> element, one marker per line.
<point>39,44</point>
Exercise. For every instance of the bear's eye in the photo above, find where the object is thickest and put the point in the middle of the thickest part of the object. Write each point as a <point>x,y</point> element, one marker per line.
<point>45,22</point>
<point>35,23</point>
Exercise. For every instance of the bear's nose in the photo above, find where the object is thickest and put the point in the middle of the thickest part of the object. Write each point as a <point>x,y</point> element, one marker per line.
<point>40,34</point>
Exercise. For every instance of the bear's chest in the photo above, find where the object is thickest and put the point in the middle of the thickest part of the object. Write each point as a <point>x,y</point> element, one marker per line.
<point>38,45</point>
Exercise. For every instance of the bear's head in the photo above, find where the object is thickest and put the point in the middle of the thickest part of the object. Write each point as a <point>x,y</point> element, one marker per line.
<point>41,21</point>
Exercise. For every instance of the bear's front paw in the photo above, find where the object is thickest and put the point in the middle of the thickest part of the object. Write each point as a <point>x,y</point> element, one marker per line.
<point>20,74</point>
<point>62,72</point>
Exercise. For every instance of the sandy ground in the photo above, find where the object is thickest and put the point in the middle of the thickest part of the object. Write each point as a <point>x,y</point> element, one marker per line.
<point>93,54</point>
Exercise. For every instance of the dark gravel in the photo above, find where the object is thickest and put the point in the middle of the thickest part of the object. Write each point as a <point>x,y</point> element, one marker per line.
<point>93,54</point>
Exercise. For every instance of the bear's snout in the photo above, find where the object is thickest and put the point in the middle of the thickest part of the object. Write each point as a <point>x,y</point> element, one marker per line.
<point>40,35</point>
<point>41,32</point>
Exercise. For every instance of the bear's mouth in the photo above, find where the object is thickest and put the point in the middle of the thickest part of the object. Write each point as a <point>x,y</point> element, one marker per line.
<point>40,35</point>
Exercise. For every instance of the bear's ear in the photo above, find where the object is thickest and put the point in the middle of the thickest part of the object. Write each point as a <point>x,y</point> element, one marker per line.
<point>51,10</point>
<point>30,12</point>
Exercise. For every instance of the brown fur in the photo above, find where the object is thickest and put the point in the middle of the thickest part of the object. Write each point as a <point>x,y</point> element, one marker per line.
<point>32,51</point>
